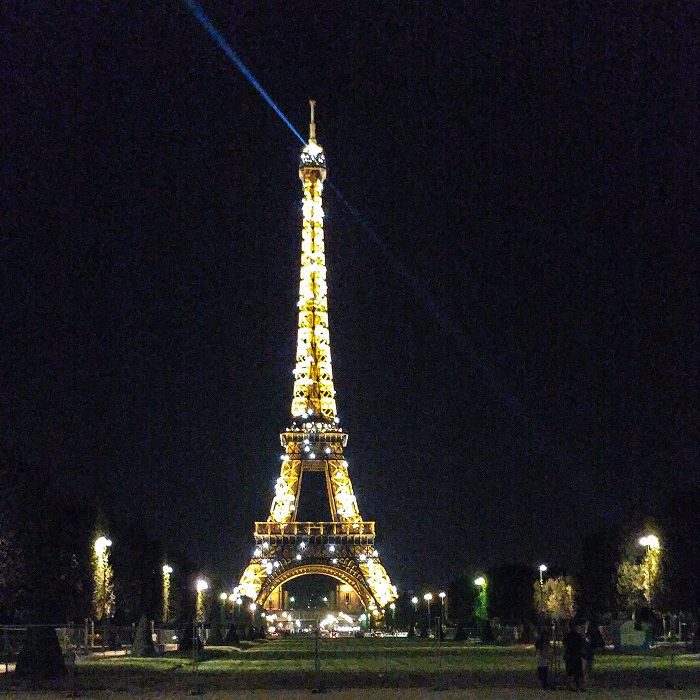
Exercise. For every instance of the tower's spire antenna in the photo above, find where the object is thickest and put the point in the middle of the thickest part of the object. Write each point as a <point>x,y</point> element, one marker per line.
<point>312,124</point>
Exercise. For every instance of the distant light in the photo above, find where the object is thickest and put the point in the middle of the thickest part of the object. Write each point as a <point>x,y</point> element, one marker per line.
<point>202,585</point>
<point>167,569</point>
<point>302,545</point>
<point>232,598</point>
<point>328,450</point>
<point>266,545</point>
<point>428,597</point>
<point>331,548</point>
<point>543,568</point>
<point>334,561</point>
<point>392,606</point>
<point>312,456</point>
<point>480,581</point>
<point>442,595</point>
<point>298,557</point>
<point>252,607</point>
<point>414,600</point>
<point>223,596</point>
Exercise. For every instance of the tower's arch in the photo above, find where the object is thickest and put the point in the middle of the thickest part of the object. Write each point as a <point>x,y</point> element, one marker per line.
<point>272,583</point>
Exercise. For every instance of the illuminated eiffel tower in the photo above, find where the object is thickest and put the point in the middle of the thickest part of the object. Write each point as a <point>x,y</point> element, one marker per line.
<point>343,547</point>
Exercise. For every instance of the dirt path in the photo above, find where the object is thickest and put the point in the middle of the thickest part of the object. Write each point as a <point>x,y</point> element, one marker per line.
<point>389,694</point>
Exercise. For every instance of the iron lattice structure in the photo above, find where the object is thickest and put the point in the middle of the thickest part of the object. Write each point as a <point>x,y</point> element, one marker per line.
<point>343,547</point>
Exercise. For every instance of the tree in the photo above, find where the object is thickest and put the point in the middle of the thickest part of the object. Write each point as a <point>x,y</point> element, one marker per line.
<point>460,594</point>
<point>143,641</point>
<point>40,655</point>
<point>102,572</point>
<point>510,596</point>
<point>597,574</point>
<point>44,551</point>
<point>555,598</point>
<point>639,579</point>
<point>679,520</point>
<point>12,571</point>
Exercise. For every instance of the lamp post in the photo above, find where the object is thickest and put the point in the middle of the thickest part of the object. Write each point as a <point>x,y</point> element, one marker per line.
<point>103,577</point>
<point>651,564</point>
<point>414,600</point>
<point>201,586</point>
<point>482,614</point>
<point>252,607</point>
<point>427,598</point>
<point>392,607</point>
<point>167,570</point>
<point>443,612</point>
<point>223,597</point>
<point>542,568</point>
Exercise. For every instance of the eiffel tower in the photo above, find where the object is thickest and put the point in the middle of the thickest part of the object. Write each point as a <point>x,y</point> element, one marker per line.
<point>343,547</point>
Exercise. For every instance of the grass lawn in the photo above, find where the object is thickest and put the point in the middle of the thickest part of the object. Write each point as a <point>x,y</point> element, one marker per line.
<point>384,663</point>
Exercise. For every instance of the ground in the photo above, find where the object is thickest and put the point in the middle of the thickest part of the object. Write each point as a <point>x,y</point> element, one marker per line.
<point>387,668</point>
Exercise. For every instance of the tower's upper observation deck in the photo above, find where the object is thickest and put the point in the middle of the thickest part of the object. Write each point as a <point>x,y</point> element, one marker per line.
<point>312,157</point>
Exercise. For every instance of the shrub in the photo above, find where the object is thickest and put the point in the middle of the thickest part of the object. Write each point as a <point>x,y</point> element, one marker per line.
<point>40,656</point>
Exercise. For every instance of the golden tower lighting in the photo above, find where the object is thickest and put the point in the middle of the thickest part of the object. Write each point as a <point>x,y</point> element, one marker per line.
<point>342,547</point>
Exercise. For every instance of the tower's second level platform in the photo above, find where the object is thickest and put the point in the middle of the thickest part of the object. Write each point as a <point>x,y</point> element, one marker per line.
<point>357,531</point>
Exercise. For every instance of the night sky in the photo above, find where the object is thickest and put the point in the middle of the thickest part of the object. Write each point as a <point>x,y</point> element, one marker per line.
<point>514,320</point>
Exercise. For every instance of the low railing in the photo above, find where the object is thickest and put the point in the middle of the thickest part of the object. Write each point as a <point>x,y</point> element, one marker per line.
<point>298,529</point>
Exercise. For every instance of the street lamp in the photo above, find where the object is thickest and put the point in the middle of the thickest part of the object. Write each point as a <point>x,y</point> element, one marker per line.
<point>650,542</point>
<point>101,544</point>
<point>167,570</point>
<point>103,577</point>
<point>201,586</point>
<point>542,568</point>
<point>392,607</point>
<point>481,613</point>
<point>427,598</point>
<point>650,564</point>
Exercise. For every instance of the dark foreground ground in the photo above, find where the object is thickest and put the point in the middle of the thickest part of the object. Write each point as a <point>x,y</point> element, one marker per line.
<point>365,668</point>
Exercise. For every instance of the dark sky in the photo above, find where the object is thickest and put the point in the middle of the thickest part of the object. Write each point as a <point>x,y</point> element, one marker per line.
<point>515,336</point>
